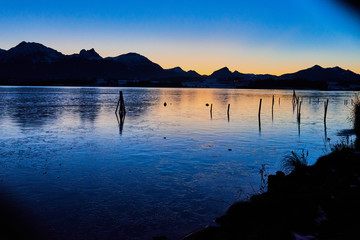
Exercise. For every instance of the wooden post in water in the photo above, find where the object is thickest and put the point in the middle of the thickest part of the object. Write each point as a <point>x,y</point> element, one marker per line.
<point>272,108</point>
<point>211,111</point>
<point>299,112</point>
<point>294,96</point>
<point>259,115</point>
<point>260,107</point>
<point>121,105</point>
<point>228,112</point>
<point>326,108</point>
<point>279,101</point>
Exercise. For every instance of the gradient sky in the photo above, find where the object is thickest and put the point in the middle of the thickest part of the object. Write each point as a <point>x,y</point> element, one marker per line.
<point>258,36</point>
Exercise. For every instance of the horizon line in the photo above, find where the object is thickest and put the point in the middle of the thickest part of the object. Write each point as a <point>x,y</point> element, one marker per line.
<point>178,66</point>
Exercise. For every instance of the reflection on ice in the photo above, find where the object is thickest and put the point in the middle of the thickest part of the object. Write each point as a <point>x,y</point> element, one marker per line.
<point>62,157</point>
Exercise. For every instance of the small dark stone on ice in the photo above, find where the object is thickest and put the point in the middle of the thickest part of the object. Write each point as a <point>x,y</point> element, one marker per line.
<point>165,104</point>
<point>230,149</point>
<point>207,104</point>
<point>164,137</point>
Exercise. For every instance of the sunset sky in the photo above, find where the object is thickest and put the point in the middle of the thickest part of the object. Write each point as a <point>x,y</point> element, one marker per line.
<point>257,36</point>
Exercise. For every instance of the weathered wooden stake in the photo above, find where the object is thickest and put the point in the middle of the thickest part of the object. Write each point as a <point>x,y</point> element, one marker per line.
<point>121,105</point>
<point>228,111</point>
<point>272,108</point>
<point>299,112</point>
<point>211,111</point>
<point>326,107</point>
<point>294,95</point>
<point>260,107</point>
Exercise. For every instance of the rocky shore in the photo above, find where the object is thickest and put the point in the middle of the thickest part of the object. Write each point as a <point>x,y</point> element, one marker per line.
<point>321,201</point>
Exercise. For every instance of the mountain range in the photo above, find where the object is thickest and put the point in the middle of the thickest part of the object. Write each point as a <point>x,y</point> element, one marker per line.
<point>35,64</point>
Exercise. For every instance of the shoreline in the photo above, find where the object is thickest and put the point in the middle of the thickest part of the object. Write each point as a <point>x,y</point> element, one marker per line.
<point>320,201</point>
<point>182,87</point>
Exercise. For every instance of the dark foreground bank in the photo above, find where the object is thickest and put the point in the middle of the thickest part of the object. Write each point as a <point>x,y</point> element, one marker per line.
<point>321,201</point>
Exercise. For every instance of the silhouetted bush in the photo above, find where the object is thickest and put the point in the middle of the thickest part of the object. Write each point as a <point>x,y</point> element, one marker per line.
<point>295,161</point>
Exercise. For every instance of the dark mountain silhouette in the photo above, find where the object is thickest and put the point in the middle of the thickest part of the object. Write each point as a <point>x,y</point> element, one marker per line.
<point>179,71</point>
<point>141,66</point>
<point>222,73</point>
<point>176,70</point>
<point>32,52</point>
<point>317,73</point>
<point>35,64</point>
<point>88,54</point>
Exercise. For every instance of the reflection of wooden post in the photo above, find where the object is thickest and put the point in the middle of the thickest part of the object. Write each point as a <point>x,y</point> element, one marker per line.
<point>279,101</point>
<point>120,120</point>
<point>117,105</point>
<point>326,107</point>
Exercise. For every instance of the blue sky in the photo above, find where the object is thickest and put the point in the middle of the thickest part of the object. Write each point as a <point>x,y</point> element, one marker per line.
<point>250,36</point>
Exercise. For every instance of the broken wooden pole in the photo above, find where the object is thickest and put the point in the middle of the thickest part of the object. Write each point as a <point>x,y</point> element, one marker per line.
<point>228,110</point>
<point>211,111</point>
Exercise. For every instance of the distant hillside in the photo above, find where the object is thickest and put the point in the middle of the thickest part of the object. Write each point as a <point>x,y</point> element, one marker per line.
<point>179,71</point>
<point>35,64</point>
<point>317,73</point>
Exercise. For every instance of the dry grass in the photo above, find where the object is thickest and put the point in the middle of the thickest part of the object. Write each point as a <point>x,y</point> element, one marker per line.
<point>295,161</point>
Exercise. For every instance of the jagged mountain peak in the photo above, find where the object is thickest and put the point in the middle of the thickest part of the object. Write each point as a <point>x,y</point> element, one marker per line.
<point>89,54</point>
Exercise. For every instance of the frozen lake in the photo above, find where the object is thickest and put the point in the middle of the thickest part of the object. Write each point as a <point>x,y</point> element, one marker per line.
<point>167,170</point>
